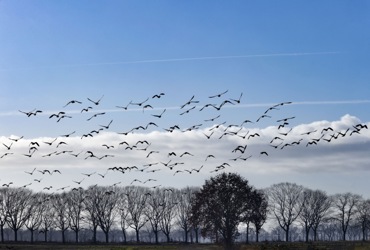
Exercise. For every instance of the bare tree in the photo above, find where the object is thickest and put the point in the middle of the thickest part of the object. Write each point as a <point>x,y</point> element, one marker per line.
<point>75,202</point>
<point>154,211</point>
<point>90,205</point>
<point>34,220</point>
<point>184,199</point>
<point>168,204</point>
<point>259,210</point>
<point>18,207</point>
<point>106,213</point>
<point>345,205</point>
<point>363,218</point>
<point>321,205</point>
<point>60,206</point>
<point>123,213</point>
<point>3,212</point>
<point>285,200</point>
<point>136,200</point>
<point>47,217</point>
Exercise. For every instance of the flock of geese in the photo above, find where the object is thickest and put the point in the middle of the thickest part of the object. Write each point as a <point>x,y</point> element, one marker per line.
<point>210,129</point>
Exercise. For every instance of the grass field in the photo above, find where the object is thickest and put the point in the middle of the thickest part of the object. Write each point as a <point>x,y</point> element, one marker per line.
<point>260,246</point>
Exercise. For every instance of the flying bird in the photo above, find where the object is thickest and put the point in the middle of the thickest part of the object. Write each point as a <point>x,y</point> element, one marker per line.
<point>72,102</point>
<point>158,95</point>
<point>218,95</point>
<point>237,100</point>
<point>140,103</point>
<point>95,115</point>
<point>96,102</point>
<point>160,115</point>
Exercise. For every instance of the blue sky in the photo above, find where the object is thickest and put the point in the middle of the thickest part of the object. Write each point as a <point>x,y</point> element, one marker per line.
<point>312,53</point>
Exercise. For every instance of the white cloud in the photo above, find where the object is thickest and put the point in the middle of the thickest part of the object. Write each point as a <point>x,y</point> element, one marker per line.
<point>344,154</point>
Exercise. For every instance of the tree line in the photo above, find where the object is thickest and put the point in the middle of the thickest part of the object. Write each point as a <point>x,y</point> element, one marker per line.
<point>219,211</point>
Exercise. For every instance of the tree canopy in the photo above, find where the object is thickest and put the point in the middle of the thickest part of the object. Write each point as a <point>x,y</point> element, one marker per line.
<point>220,205</point>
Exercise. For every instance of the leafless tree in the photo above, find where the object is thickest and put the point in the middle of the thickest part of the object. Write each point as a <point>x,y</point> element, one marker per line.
<point>363,208</point>
<point>106,213</point>
<point>154,211</point>
<point>90,204</point>
<point>34,220</point>
<point>259,209</point>
<point>285,200</point>
<point>3,213</point>
<point>136,200</point>
<point>184,199</point>
<point>47,217</point>
<point>168,201</point>
<point>315,206</point>
<point>59,203</point>
<point>18,207</point>
<point>123,212</point>
<point>75,202</point>
<point>345,205</point>
<point>321,205</point>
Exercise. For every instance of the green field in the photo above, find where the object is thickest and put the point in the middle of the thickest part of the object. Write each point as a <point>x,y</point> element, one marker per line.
<point>260,246</point>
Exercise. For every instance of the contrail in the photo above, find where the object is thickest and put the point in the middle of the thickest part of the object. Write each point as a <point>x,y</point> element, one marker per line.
<point>179,60</point>
<point>247,105</point>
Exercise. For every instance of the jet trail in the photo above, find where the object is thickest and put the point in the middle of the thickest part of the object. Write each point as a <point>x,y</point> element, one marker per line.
<point>250,105</point>
<point>180,60</point>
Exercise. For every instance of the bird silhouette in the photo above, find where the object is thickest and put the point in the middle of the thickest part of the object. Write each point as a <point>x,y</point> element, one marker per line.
<point>79,182</point>
<point>96,102</point>
<point>158,95</point>
<point>30,173</point>
<point>124,107</point>
<point>140,103</point>
<point>189,102</point>
<point>187,111</point>
<point>106,126</point>
<point>72,102</point>
<point>237,100</point>
<point>218,95</point>
<point>8,146</point>
<point>16,139</point>
<point>95,115</point>
<point>160,115</point>
<point>5,154</point>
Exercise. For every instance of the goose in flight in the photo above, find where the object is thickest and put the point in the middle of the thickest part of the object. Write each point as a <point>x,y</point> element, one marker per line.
<point>96,102</point>
<point>72,102</point>
<point>219,95</point>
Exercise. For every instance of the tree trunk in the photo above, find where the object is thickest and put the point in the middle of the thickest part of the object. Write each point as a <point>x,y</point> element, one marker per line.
<point>124,236</point>
<point>94,233</point>
<point>106,236</point>
<point>307,231</point>
<point>63,236</point>
<point>15,234</point>
<point>137,235</point>
<point>156,236</point>
<point>196,235</point>
<point>287,234</point>
<point>247,235</point>
<point>31,232</point>
<point>2,232</point>
<point>168,238</point>
<point>363,233</point>
<point>46,235</point>
<point>314,233</point>
<point>186,234</point>
<point>76,234</point>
